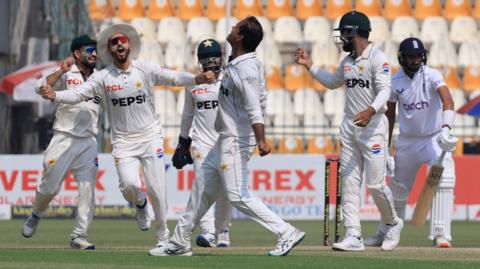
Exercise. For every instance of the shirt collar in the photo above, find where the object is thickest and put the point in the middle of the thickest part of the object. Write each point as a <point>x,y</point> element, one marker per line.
<point>75,69</point>
<point>120,71</point>
<point>366,52</point>
<point>242,57</point>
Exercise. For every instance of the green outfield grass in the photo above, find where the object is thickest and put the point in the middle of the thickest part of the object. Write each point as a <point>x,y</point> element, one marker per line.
<point>121,245</point>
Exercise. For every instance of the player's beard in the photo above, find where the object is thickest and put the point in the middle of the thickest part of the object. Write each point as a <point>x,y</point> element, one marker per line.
<point>122,55</point>
<point>90,65</point>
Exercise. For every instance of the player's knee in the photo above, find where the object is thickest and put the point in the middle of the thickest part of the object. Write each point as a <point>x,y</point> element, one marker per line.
<point>399,190</point>
<point>377,189</point>
<point>129,192</point>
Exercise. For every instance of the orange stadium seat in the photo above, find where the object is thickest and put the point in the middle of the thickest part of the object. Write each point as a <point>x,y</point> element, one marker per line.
<point>159,9</point>
<point>451,77</point>
<point>248,8</point>
<point>216,9</point>
<point>274,77</point>
<point>291,145</point>
<point>336,8</point>
<point>320,145</point>
<point>471,78</point>
<point>476,11</point>
<point>308,8</point>
<point>369,7</point>
<point>427,8</point>
<point>278,8</point>
<point>188,9</point>
<point>100,9</point>
<point>295,77</point>
<point>397,8</point>
<point>457,8</point>
<point>129,9</point>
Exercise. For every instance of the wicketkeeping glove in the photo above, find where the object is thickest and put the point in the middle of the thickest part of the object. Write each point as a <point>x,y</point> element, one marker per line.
<point>446,141</point>
<point>182,155</point>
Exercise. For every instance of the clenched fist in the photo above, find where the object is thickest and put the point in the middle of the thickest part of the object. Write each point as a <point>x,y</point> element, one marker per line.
<point>301,57</point>
<point>67,65</point>
<point>205,78</point>
<point>47,92</point>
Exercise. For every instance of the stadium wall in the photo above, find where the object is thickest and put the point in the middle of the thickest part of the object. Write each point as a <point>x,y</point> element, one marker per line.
<point>291,185</point>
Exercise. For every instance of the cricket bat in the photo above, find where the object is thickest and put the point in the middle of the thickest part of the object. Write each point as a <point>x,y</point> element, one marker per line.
<point>424,202</point>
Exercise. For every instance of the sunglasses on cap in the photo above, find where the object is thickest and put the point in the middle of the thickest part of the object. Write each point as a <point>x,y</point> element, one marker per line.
<point>114,41</point>
<point>90,49</point>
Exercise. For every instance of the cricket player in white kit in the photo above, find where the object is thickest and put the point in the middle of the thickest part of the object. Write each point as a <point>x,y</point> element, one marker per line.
<point>126,86</point>
<point>240,124</point>
<point>200,109</point>
<point>365,72</point>
<point>426,116</point>
<point>73,145</point>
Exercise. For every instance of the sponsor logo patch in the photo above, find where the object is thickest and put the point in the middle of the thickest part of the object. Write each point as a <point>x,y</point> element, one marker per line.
<point>386,68</point>
<point>376,148</point>
<point>159,153</point>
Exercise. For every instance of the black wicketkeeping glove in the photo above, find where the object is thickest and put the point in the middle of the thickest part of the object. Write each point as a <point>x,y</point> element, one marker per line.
<point>182,155</point>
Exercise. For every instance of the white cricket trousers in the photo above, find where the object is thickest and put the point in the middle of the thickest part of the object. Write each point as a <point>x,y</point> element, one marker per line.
<point>225,172</point>
<point>65,153</point>
<point>218,217</point>
<point>410,154</point>
<point>364,152</point>
<point>148,158</point>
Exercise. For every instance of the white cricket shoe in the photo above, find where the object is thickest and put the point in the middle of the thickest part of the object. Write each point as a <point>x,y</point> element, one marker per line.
<point>81,242</point>
<point>285,245</point>
<point>170,249</point>
<point>206,240</point>
<point>223,239</point>
<point>392,236</point>
<point>143,220</point>
<point>441,242</point>
<point>377,239</point>
<point>161,243</point>
<point>30,225</point>
<point>349,243</point>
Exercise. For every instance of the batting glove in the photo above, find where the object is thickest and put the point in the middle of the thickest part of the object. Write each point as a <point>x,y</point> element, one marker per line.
<point>446,141</point>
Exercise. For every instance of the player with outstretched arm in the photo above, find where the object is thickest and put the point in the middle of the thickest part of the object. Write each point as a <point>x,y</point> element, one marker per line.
<point>126,86</point>
<point>365,73</point>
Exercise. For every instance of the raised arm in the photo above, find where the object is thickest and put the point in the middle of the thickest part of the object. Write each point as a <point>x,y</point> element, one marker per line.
<point>164,76</point>
<point>327,79</point>
<point>89,89</point>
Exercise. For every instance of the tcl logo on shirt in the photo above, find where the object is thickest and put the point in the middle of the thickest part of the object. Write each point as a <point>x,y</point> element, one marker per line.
<point>73,81</point>
<point>112,88</point>
<point>199,91</point>
<point>127,101</point>
<point>352,82</point>
<point>209,104</point>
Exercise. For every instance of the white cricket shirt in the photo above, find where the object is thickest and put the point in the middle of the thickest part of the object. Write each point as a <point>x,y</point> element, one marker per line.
<point>419,104</point>
<point>366,80</point>
<point>243,98</point>
<point>201,107</point>
<point>129,98</point>
<point>80,119</point>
